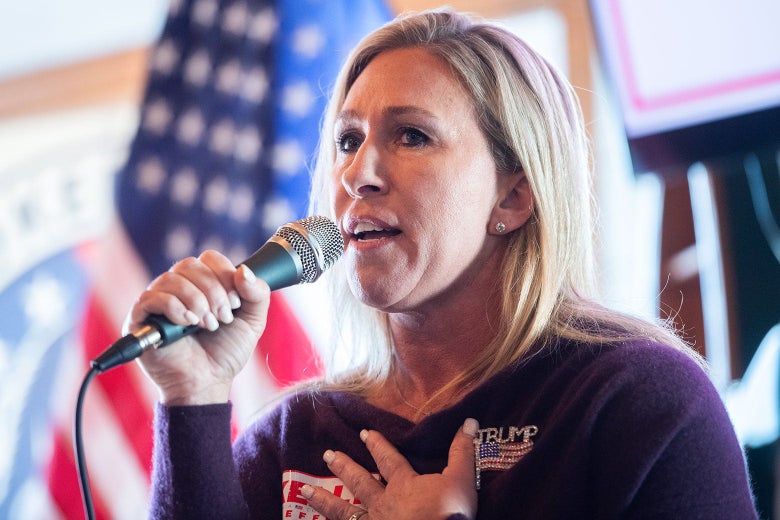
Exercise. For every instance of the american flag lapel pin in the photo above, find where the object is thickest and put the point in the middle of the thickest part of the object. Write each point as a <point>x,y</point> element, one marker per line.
<point>498,449</point>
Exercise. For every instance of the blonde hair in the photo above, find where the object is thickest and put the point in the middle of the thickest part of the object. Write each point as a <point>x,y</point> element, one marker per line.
<point>532,118</point>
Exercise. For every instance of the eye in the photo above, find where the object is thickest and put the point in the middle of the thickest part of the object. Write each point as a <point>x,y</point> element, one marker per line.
<point>413,138</point>
<point>348,142</point>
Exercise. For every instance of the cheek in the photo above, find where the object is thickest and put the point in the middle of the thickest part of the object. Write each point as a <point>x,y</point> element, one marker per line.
<point>337,197</point>
<point>470,206</point>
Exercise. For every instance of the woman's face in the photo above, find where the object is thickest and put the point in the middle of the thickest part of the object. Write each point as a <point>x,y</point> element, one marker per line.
<point>414,184</point>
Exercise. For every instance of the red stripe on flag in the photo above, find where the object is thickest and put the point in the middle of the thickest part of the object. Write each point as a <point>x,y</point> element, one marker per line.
<point>133,410</point>
<point>63,484</point>
<point>289,352</point>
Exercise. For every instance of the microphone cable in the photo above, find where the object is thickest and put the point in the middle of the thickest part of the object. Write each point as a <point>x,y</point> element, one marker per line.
<point>78,447</point>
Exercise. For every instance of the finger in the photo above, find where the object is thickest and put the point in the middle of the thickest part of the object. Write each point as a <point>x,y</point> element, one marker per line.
<point>225,270</point>
<point>389,461</point>
<point>173,296</point>
<point>183,283</point>
<point>327,503</point>
<point>180,285</point>
<point>362,484</point>
<point>460,461</point>
<point>212,274</point>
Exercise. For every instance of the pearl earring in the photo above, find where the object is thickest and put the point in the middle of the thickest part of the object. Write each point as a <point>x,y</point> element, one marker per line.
<point>500,227</point>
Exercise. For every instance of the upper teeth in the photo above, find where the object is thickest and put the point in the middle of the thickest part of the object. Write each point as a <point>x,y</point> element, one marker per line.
<point>363,227</point>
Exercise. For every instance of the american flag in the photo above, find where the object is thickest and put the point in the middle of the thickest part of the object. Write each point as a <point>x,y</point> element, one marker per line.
<point>227,129</point>
<point>500,456</point>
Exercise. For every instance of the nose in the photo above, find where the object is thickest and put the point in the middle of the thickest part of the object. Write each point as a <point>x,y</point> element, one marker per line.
<point>363,176</point>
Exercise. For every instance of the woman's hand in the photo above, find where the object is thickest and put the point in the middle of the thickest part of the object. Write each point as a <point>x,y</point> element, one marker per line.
<point>407,494</point>
<point>203,291</point>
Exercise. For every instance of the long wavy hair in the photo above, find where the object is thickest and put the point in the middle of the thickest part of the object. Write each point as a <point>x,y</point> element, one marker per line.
<point>531,116</point>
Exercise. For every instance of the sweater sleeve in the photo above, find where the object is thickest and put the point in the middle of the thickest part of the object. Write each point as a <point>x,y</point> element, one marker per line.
<point>193,473</point>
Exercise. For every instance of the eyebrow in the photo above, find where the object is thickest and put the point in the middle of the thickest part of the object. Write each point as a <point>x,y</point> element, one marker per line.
<point>393,110</point>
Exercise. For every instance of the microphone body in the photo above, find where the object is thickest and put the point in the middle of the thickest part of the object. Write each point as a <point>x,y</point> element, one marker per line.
<point>299,252</point>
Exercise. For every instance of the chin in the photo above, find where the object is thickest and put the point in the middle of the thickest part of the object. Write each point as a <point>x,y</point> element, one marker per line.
<point>374,296</point>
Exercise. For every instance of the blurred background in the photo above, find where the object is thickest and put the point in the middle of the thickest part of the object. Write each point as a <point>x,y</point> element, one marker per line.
<point>136,133</point>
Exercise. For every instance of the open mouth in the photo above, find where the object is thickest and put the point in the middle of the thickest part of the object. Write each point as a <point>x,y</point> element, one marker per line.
<point>365,231</point>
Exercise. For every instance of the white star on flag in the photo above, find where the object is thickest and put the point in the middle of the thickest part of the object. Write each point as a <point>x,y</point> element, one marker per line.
<point>308,41</point>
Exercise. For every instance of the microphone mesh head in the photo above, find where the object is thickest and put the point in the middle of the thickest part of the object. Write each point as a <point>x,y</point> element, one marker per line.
<point>318,243</point>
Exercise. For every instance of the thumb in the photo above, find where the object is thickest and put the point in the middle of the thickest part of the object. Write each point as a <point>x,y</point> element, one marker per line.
<point>255,298</point>
<point>460,462</point>
<point>460,471</point>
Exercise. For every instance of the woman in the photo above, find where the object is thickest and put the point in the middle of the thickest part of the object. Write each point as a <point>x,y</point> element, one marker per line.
<point>455,162</point>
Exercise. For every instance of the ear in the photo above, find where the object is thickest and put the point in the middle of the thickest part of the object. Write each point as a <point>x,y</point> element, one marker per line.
<point>514,205</point>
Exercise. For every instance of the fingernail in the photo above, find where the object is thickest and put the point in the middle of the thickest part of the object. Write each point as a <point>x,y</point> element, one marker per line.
<point>225,315</point>
<point>328,456</point>
<point>363,435</point>
<point>247,273</point>
<point>191,318</point>
<point>470,427</point>
<point>235,300</point>
<point>307,491</point>
<point>211,322</point>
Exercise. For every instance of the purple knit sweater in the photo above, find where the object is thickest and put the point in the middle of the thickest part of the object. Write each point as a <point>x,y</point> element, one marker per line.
<point>630,431</point>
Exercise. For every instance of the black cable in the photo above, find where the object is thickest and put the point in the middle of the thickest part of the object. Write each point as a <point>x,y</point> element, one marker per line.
<point>78,447</point>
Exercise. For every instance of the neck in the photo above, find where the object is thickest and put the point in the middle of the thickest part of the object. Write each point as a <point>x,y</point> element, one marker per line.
<point>430,355</point>
<point>433,349</point>
<point>437,340</point>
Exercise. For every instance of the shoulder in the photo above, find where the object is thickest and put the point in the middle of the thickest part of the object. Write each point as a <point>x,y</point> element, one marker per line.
<point>658,423</point>
<point>641,363</point>
<point>646,388</point>
<point>631,381</point>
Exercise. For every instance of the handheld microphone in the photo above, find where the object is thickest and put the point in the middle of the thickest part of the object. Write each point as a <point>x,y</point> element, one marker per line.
<point>299,252</point>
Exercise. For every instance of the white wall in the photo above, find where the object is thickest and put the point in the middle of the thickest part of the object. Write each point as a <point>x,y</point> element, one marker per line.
<point>37,34</point>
